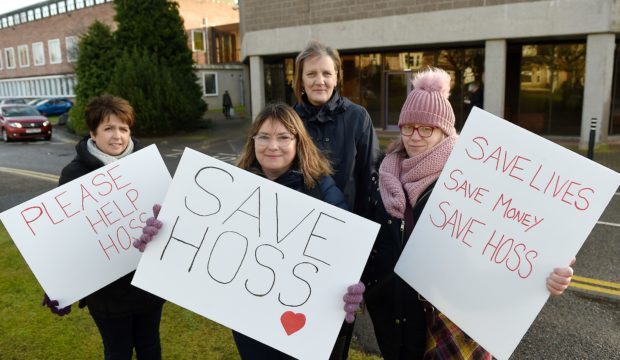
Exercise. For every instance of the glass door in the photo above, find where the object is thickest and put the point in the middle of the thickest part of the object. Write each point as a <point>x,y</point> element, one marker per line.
<point>397,87</point>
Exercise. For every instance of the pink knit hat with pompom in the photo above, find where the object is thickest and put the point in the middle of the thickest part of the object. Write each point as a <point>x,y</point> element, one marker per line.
<point>428,103</point>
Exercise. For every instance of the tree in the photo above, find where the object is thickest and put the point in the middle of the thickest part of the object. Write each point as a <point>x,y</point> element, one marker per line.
<point>95,65</point>
<point>155,28</point>
<point>146,61</point>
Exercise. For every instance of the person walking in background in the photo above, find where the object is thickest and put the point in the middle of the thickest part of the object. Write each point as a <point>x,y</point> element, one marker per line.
<point>226,104</point>
<point>341,129</point>
<point>126,316</point>
<point>476,96</point>
<point>406,325</point>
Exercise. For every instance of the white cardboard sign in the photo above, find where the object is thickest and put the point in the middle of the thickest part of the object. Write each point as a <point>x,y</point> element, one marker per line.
<point>77,238</point>
<point>255,256</point>
<point>508,207</point>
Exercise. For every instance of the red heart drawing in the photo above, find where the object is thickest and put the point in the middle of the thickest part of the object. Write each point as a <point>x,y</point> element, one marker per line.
<point>292,322</point>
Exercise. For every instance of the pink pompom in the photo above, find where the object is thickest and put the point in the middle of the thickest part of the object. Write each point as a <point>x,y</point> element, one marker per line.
<point>433,80</point>
<point>156,209</point>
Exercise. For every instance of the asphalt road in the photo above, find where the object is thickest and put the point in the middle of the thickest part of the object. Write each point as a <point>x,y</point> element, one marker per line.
<point>581,324</point>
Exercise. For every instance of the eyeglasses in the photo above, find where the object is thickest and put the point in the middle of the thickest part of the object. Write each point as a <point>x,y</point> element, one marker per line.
<point>265,140</point>
<point>423,131</point>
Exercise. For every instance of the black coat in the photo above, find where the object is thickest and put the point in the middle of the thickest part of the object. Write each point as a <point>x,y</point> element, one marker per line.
<point>119,298</point>
<point>396,310</point>
<point>345,134</point>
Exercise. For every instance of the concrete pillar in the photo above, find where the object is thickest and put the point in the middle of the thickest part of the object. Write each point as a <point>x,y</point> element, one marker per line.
<point>495,76</point>
<point>257,85</point>
<point>598,86</point>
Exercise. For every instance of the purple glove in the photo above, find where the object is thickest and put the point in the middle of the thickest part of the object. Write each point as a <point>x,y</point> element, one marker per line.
<point>53,305</point>
<point>149,230</point>
<point>352,300</point>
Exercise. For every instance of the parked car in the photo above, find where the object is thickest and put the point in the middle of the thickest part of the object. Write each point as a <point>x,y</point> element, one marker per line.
<point>13,101</point>
<point>35,102</point>
<point>23,122</point>
<point>54,106</point>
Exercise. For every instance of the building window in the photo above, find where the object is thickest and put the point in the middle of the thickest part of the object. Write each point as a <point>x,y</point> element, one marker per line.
<point>72,48</point>
<point>544,87</point>
<point>38,55</point>
<point>90,2</point>
<point>22,56</point>
<point>53,47</point>
<point>45,11</point>
<point>70,5</point>
<point>61,7</point>
<point>4,23</point>
<point>1,66</point>
<point>209,83</point>
<point>53,10</point>
<point>10,21</point>
<point>30,15</point>
<point>79,4</point>
<point>9,55</point>
<point>16,19</point>
<point>198,40</point>
<point>23,16</point>
<point>37,13</point>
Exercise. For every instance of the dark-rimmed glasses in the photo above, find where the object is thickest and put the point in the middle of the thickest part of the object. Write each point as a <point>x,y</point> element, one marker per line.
<point>423,131</point>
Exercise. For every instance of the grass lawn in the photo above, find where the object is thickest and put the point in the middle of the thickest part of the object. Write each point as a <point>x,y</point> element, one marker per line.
<point>30,331</point>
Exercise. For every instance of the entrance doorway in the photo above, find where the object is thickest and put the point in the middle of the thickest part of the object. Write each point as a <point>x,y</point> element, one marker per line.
<point>397,87</point>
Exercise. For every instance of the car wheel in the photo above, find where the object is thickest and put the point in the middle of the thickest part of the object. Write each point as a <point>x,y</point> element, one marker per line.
<point>5,136</point>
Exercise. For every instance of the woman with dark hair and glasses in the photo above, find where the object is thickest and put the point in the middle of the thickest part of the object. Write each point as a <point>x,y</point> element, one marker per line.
<point>406,325</point>
<point>279,148</point>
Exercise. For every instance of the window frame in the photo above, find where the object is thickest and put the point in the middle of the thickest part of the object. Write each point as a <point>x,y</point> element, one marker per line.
<point>202,33</point>
<point>6,57</point>
<point>42,53</point>
<point>204,88</point>
<point>23,64</point>
<point>50,47</point>
<point>72,52</point>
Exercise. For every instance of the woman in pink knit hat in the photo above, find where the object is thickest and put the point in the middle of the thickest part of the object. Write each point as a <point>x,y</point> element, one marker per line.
<point>406,325</point>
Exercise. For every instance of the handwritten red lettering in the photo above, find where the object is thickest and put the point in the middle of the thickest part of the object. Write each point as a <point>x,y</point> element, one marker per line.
<point>456,222</point>
<point>118,187</point>
<point>63,206</point>
<point>103,182</point>
<point>30,219</point>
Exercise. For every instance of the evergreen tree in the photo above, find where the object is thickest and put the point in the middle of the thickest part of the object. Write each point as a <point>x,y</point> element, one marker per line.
<point>95,65</point>
<point>155,28</point>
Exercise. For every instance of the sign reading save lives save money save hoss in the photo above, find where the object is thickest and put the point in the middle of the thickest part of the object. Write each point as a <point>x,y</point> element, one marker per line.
<point>508,207</point>
<point>255,256</point>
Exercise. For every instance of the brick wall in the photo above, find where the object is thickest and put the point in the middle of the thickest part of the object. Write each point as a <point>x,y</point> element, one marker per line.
<point>270,14</point>
<point>59,26</point>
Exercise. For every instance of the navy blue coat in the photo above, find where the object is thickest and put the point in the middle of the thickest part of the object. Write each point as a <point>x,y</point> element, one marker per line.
<point>345,134</point>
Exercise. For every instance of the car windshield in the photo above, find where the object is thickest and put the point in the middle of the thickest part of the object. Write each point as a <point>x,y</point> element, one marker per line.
<point>19,111</point>
<point>15,101</point>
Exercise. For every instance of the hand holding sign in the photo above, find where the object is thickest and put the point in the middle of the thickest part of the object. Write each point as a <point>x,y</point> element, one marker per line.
<point>150,229</point>
<point>505,215</point>
<point>265,260</point>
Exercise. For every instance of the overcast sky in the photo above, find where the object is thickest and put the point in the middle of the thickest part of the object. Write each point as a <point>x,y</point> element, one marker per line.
<point>10,5</point>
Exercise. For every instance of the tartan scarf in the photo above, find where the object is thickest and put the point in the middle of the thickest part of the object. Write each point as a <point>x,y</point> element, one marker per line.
<point>399,174</point>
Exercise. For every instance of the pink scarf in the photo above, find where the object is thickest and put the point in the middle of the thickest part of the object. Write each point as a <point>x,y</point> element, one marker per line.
<point>398,174</point>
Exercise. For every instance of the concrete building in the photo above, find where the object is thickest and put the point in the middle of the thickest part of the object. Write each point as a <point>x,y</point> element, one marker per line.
<point>547,65</point>
<point>38,47</point>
